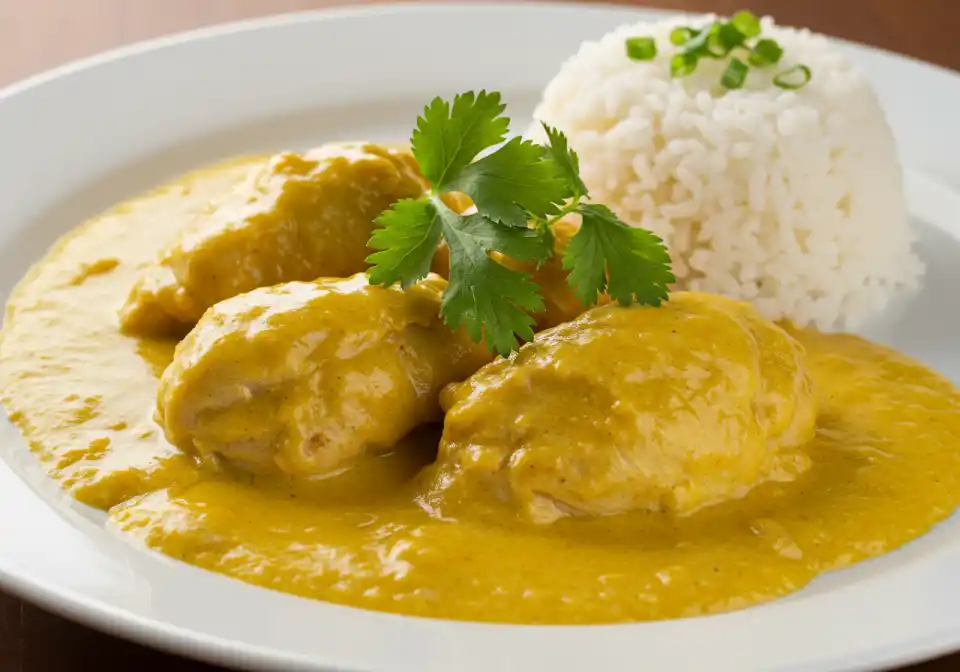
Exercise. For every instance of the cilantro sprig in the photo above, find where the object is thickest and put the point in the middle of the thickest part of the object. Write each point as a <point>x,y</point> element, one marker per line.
<point>520,189</point>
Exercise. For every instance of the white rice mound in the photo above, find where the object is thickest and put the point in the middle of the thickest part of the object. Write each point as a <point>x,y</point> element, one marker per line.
<point>792,200</point>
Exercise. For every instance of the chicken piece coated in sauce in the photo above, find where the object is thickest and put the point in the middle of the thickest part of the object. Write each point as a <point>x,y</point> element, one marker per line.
<point>303,377</point>
<point>295,217</point>
<point>630,408</point>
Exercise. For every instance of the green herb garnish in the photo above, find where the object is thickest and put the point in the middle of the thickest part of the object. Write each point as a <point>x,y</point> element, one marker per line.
<point>728,38</point>
<point>682,65</point>
<point>746,23</point>
<point>605,256</point>
<point>682,35</point>
<point>793,78</point>
<point>735,74</point>
<point>521,190</point>
<point>765,52</point>
<point>641,48</point>
<point>717,41</point>
<point>701,41</point>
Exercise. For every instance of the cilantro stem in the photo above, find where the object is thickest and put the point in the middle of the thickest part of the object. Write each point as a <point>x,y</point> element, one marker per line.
<point>548,223</point>
<point>569,208</point>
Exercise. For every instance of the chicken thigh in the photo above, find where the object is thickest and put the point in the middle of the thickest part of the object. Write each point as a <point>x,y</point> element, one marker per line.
<point>296,217</point>
<point>303,377</point>
<point>630,408</point>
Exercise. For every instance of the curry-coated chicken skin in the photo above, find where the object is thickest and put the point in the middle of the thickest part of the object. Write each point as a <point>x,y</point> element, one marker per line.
<point>303,377</point>
<point>630,408</point>
<point>295,217</point>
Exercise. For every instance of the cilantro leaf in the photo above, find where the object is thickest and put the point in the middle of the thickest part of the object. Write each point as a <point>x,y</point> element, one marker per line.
<point>447,138</point>
<point>490,300</point>
<point>587,277</point>
<point>519,244</point>
<point>521,190</point>
<point>514,184</point>
<point>407,237</point>
<point>630,264</point>
<point>566,159</point>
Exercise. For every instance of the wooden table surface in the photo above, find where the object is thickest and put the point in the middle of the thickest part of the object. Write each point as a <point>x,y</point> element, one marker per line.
<point>38,34</point>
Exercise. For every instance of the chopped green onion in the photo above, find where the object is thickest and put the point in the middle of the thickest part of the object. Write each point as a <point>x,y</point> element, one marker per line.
<point>793,78</point>
<point>729,37</point>
<point>682,35</point>
<point>747,23</point>
<point>683,64</point>
<point>641,48</point>
<point>698,43</point>
<point>718,41</point>
<point>735,74</point>
<point>714,48</point>
<point>765,52</point>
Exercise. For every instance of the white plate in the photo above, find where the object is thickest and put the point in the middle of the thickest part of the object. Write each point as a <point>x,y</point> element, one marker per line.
<point>83,137</point>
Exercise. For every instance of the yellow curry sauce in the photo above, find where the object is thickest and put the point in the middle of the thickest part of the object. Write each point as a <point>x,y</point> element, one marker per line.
<point>884,470</point>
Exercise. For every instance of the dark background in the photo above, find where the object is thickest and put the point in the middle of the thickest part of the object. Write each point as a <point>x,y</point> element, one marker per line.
<point>38,34</point>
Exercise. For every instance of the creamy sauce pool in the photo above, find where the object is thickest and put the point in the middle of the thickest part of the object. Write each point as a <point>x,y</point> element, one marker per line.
<point>885,470</point>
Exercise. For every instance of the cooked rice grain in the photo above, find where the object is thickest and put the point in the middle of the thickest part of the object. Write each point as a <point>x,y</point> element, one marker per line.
<point>793,200</point>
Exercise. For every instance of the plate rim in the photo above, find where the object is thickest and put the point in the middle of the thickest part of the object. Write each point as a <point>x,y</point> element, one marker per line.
<point>269,21</point>
<point>212,648</point>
